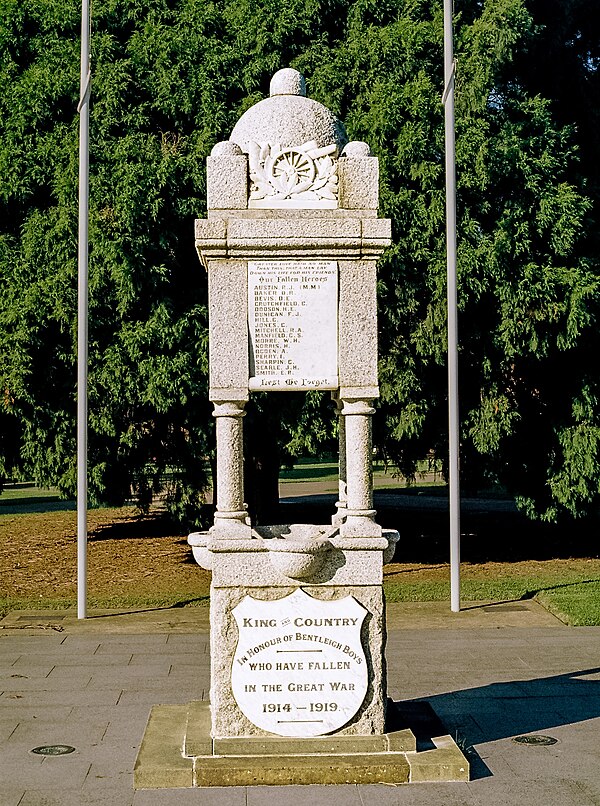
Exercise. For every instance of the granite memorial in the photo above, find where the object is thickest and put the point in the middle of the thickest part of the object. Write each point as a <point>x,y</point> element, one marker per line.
<point>297,612</point>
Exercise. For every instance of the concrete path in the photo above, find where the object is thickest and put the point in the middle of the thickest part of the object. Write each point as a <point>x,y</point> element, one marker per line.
<point>491,673</point>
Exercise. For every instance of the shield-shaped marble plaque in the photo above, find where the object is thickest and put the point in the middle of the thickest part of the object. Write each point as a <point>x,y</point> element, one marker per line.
<point>299,667</point>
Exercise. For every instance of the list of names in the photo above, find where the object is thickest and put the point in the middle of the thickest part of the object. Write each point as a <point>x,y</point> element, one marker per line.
<point>293,324</point>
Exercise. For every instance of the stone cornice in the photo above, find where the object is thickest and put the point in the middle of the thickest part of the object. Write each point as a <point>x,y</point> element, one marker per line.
<point>343,237</point>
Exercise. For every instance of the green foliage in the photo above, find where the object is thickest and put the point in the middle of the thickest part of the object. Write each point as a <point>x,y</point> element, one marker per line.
<point>147,331</point>
<point>528,287</point>
<point>169,80</point>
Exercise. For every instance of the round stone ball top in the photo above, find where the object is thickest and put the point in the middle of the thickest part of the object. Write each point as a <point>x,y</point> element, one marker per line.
<point>288,118</point>
<point>288,82</point>
<point>226,149</point>
<point>356,148</point>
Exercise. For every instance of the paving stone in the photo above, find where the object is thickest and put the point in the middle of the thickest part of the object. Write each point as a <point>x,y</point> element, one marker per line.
<point>175,695</point>
<point>188,642</point>
<point>74,659</point>
<point>22,713</point>
<point>590,788</point>
<point>348,795</point>
<point>112,796</point>
<point>125,722</point>
<point>8,727</point>
<point>77,680</point>
<point>131,677</point>
<point>536,792</point>
<point>152,661</point>
<point>215,796</point>
<point>105,772</point>
<point>22,768</point>
<point>44,731</point>
<point>12,797</point>
<point>411,689</point>
<point>63,697</point>
<point>40,668</point>
<point>134,643</point>
<point>429,794</point>
<point>73,643</point>
<point>555,761</point>
<point>576,709</point>
<point>8,659</point>
<point>494,728</point>
<point>568,653</point>
<point>111,711</point>
<point>125,748</point>
<point>29,644</point>
<point>180,675</point>
<point>186,659</point>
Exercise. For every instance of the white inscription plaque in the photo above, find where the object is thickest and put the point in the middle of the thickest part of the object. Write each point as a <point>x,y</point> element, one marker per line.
<point>299,668</point>
<point>293,324</point>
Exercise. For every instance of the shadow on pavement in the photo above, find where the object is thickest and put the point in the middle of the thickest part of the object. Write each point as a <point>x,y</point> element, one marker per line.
<point>504,710</point>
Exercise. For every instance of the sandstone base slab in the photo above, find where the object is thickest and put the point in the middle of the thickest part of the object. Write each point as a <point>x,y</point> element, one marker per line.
<point>176,730</point>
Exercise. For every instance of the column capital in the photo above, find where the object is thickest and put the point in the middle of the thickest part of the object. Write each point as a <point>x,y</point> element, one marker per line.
<point>229,408</point>
<point>362,406</point>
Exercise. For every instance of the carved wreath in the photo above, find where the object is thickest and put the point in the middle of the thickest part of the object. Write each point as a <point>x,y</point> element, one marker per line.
<point>303,172</point>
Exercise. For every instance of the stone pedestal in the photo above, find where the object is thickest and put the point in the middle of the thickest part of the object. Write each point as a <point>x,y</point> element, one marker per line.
<point>308,605</point>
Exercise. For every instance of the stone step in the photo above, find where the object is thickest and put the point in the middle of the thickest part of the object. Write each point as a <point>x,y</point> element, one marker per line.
<point>393,758</point>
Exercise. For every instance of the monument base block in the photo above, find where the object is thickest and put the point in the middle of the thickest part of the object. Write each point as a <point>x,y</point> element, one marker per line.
<point>178,751</point>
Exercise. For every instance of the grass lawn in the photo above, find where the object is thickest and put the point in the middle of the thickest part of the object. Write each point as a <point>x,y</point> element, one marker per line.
<point>27,493</point>
<point>572,596</point>
<point>576,603</point>
<point>145,562</point>
<point>383,476</point>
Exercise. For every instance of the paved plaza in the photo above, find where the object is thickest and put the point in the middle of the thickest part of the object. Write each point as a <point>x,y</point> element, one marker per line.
<point>491,673</point>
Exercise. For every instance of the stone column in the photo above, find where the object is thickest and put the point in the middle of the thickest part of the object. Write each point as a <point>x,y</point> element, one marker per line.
<point>341,503</point>
<point>231,515</point>
<point>360,520</point>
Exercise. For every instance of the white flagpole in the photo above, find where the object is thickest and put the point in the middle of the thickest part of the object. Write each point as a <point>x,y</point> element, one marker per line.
<point>453,413</point>
<point>82,311</point>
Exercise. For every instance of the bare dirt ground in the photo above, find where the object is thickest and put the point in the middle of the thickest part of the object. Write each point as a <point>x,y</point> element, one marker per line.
<point>127,556</point>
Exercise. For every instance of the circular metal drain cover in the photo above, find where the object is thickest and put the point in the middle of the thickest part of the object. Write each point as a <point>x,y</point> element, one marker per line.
<point>536,740</point>
<point>53,750</point>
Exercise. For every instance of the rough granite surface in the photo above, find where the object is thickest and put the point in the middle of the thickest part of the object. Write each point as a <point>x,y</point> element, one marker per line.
<point>359,182</point>
<point>229,721</point>
<point>227,182</point>
<point>358,324</point>
<point>341,567</point>
<point>228,343</point>
<point>355,238</point>
<point>288,120</point>
<point>230,446</point>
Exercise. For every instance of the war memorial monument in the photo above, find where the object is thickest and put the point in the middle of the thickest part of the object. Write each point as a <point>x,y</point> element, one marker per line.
<point>297,611</point>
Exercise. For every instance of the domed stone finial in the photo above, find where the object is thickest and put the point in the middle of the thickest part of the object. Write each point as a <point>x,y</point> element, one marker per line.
<point>288,82</point>
<point>356,148</point>
<point>226,149</point>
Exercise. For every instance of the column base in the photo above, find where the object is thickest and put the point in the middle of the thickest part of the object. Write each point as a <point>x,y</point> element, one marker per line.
<point>233,525</point>
<point>360,523</point>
